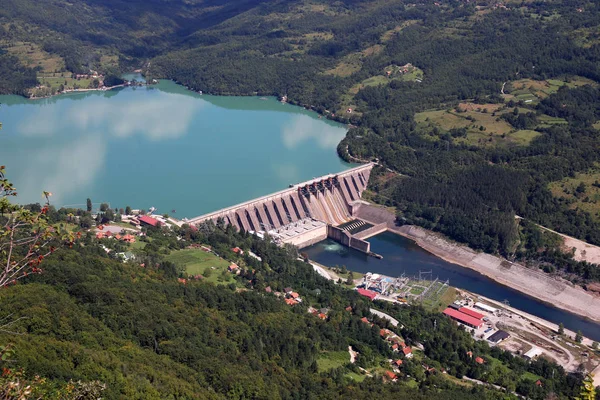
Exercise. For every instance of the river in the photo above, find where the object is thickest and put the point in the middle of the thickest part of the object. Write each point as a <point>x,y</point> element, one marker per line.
<point>402,255</point>
<point>161,146</point>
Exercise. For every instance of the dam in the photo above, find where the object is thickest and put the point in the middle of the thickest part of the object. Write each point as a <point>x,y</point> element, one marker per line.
<point>306,212</point>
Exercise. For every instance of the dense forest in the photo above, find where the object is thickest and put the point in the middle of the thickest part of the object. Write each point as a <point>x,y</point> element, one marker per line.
<point>135,330</point>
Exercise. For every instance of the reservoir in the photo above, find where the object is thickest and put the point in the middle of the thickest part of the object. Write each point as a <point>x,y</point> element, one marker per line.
<point>161,146</point>
<point>401,255</point>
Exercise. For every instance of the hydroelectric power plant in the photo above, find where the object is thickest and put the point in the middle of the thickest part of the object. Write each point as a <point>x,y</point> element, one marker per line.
<point>307,212</point>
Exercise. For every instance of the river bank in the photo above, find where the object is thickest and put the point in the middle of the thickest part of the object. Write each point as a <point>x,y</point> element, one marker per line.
<point>555,291</point>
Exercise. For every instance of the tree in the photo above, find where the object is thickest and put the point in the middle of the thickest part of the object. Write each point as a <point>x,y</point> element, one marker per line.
<point>578,337</point>
<point>595,345</point>
<point>104,207</point>
<point>350,280</point>
<point>127,210</point>
<point>561,329</point>
<point>89,205</point>
<point>27,237</point>
<point>587,390</point>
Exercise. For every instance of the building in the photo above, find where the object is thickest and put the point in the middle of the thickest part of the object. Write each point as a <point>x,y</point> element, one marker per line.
<point>499,336</point>
<point>146,220</point>
<point>407,352</point>
<point>485,307</point>
<point>237,250</point>
<point>470,312</point>
<point>291,302</point>
<point>463,318</point>
<point>391,376</point>
<point>233,268</point>
<point>479,360</point>
<point>367,293</point>
<point>533,353</point>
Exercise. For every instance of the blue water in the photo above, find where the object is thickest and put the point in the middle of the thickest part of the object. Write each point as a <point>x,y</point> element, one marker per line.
<point>401,255</point>
<point>161,146</point>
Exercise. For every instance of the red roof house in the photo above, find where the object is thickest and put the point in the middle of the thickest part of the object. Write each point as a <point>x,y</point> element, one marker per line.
<point>407,352</point>
<point>367,293</point>
<point>294,295</point>
<point>322,316</point>
<point>398,362</point>
<point>144,219</point>
<point>237,250</point>
<point>232,267</point>
<point>290,302</point>
<point>395,347</point>
<point>390,375</point>
<point>479,360</point>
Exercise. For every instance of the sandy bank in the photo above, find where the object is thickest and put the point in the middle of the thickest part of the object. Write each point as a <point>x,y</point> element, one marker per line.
<point>556,291</point>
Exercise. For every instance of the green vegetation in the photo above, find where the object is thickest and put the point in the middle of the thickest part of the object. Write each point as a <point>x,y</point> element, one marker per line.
<point>197,262</point>
<point>333,359</point>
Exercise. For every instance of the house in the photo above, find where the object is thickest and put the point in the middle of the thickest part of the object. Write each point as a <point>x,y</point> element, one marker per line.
<point>470,354</point>
<point>294,295</point>
<point>290,302</point>
<point>322,316</point>
<point>365,320</point>
<point>288,290</point>
<point>397,363</point>
<point>539,383</point>
<point>181,280</point>
<point>129,238</point>
<point>395,347</point>
<point>391,376</point>
<point>237,250</point>
<point>146,220</point>
<point>479,360</point>
<point>268,289</point>
<point>407,352</point>
<point>349,308</point>
<point>100,235</point>
<point>233,268</point>
<point>384,333</point>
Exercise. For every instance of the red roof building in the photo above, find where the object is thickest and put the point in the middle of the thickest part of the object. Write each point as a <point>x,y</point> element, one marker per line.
<point>149,220</point>
<point>390,375</point>
<point>470,312</point>
<point>365,320</point>
<point>349,308</point>
<point>395,347</point>
<point>463,318</point>
<point>407,351</point>
<point>322,316</point>
<point>237,250</point>
<point>479,360</point>
<point>294,295</point>
<point>290,302</point>
<point>398,362</point>
<point>232,267</point>
<point>367,293</point>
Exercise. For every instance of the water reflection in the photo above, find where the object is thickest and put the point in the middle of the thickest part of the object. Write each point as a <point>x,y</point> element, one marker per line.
<point>119,146</point>
<point>305,129</point>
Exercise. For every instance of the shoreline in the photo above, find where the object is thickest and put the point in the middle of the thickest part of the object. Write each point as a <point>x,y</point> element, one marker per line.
<point>536,284</point>
<point>77,91</point>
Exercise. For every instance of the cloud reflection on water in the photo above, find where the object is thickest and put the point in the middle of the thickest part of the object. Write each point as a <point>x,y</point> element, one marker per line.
<point>303,128</point>
<point>67,165</point>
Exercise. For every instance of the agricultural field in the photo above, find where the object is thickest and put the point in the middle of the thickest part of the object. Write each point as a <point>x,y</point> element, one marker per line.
<point>581,192</point>
<point>197,262</point>
<point>51,72</point>
<point>481,123</point>
<point>532,91</point>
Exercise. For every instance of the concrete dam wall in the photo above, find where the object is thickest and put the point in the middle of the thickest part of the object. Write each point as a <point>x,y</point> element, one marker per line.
<point>328,199</point>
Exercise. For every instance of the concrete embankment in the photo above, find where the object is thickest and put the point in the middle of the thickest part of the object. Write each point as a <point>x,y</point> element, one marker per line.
<point>555,291</point>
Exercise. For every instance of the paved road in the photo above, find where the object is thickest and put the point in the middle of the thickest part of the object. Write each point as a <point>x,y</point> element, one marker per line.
<point>383,315</point>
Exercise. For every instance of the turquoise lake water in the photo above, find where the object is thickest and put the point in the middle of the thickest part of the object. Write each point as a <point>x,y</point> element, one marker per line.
<point>161,146</point>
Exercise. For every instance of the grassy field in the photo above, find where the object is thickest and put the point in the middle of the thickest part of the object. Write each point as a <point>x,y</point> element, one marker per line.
<point>587,198</point>
<point>355,377</point>
<point>482,123</point>
<point>529,89</point>
<point>197,262</point>
<point>332,359</point>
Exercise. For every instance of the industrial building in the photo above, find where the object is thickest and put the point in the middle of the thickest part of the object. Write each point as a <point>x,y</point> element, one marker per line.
<point>464,318</point>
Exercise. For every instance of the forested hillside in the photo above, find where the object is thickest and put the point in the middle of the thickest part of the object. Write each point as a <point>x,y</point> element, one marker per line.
<point>145,330</point>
